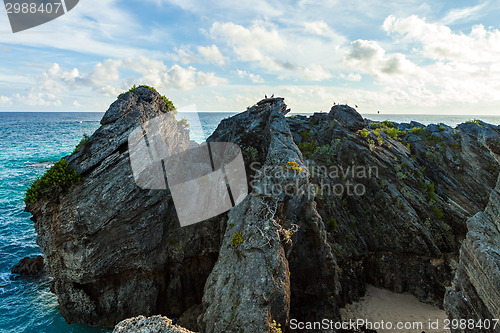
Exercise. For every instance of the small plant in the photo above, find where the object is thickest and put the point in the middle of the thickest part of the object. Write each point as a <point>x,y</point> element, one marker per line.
<point>438,212</point>
<point>400,205</point>
<point>250,154</point>
<point>275,327</point>
<point>326,153</point>
<point>306,135</point>
<point>332,224</point>
<point>237,239</point>
<point>82,143</point>
<point>441,128</point>
<point>294,166</point>
<point>417,131</point>
<point>59,177</point>
<point>394,133</point>
<point>364,133</point>
<point>380,141</point>
<point>307,148</point>
<point>183,122</point>
<point>474,121</point>
<point>371,144</point>
<point>388,128</point>
<point>401,175</point>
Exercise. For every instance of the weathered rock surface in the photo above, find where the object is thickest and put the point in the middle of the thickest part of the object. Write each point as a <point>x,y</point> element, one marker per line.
<point>274,259</point>
<point>29,266</point>
<point>302,245</point>
<point>117,251</point>
<point>419,187</point>
<point>348,117</point>
<point>155,324</point>
<point>476,292</point>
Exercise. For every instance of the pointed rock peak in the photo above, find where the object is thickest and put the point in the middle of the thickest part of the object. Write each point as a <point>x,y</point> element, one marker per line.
<point>139,103</point>
<point>270,100</point>
<point>348,117</point>
<point>269,104</point>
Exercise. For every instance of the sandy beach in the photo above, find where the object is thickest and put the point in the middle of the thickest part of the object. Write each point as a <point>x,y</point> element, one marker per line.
<point>382,305</point>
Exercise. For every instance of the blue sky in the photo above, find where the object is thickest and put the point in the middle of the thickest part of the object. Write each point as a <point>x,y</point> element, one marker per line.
<point>394,56</point>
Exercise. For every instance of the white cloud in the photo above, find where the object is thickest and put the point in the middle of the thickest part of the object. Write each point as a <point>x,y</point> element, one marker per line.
<point>315,72</point>
<point>4,100</point>
<point>369,57</point>
<point>466,13</point>
<point>250,44</point>
<point>282,52</point>
<point>100,27</point>
<point>318,28</point>
<point>35,98</point>
<point>105,77</point>
<point>351,77</point>
<point>253,77</point>
<point>212,54</point>
<point>439,42</point>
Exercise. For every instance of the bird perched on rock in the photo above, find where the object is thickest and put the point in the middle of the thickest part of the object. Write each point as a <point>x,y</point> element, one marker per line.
<point>272,96</point>
<point>355,106</point>
<point>265,96</point>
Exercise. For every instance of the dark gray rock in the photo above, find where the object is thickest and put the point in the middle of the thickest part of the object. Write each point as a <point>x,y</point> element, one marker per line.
<point>405,232</point>
<point>29,266</point>
<point>348,117</point>
<point>476,291</point>
<point>274,262</point>
<point>115,250</point>
<point>416,124</point>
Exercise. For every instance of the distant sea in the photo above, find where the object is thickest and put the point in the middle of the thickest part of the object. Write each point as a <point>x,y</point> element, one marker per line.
<point>30,143</point>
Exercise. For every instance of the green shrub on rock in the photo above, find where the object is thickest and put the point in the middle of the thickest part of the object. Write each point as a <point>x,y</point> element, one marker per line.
<point>82,143</point>
<point>169,104</point>
<point>59,177</point>
<point>307,148</point>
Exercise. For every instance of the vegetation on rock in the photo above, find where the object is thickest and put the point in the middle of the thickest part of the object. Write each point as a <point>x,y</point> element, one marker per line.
<point>82,143</point>
<point>169,104</point>
<point>59,177</point>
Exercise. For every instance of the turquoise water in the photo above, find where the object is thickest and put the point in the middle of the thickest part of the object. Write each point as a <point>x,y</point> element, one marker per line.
<point>29,143</point>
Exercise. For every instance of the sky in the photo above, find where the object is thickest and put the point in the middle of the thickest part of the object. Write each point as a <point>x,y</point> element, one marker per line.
<point>406,56</point>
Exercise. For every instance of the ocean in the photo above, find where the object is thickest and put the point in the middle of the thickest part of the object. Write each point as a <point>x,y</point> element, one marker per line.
<point>30,143</point>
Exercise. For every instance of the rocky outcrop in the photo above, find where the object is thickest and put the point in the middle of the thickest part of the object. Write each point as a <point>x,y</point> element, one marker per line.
<point>475,295</point>
<point>336,202</point>
<point>29,266</point>
<point>274,259</point>
<point>395,199</point>
<point>348,117</point>
<point>155,324</point>
<point>115,250</point>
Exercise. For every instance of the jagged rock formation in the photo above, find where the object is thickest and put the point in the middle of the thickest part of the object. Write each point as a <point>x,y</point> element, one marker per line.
<point>114,250</point>
<point>155,324</point>
<point>29,266</point>
<point>336,202</point>
<point>476,292</point>
<point>419,186</point>
<point>259,277</point>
